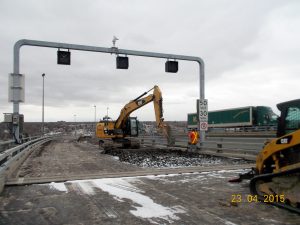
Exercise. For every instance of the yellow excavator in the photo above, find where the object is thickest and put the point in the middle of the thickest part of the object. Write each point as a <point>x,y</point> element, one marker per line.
<point>276,178</point>
<point>125,126</point>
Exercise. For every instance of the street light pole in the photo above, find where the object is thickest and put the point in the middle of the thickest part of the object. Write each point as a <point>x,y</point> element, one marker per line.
<point>95,113</point>
<point>75,125</point>
<point>95,125</point>
<point>43,105</point>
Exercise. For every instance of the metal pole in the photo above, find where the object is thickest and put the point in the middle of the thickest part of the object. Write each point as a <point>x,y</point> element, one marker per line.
<point>75,125</point>
<point>95,122</point>
<point>95,114</point>
<point>201,97</point>
<point>43,105</point>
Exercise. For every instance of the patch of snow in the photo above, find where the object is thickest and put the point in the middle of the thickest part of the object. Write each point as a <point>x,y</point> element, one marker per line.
<point>121,189</point>
<point>271,221</point>
<point>184,178</point>
<point>216,175</point>
<point>87,187</point>
<point>58,186</point>
<point>229,223</point>
<point>158,177</point>
<point>145,208</point>
<point>198,178</point>
<point>234,171</point>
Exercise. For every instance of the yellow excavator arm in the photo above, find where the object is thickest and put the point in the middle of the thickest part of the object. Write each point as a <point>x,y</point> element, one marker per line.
<point>161,125</point>
<point>139,102</point>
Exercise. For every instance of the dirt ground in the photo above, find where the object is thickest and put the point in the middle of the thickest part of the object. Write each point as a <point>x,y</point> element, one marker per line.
<point>66,156</point>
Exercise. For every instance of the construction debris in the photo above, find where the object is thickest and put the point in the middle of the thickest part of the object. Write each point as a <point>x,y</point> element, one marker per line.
<point>167,158</point>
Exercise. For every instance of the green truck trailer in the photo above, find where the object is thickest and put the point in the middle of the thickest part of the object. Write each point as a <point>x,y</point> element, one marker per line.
<point>250,116</point>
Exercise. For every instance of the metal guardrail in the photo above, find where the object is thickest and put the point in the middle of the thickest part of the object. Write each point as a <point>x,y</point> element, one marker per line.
<point>238,146</point>
<point>4,145</point>
<point>11,158</point>
<point>218,145</point>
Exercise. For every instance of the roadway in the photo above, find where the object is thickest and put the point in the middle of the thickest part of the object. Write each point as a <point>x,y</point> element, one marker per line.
<point>189,196</point>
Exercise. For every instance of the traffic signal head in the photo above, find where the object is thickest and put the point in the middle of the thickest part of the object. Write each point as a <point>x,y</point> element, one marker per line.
<point>122,62</point>
<point>64,57</point>
<point>171,66</point>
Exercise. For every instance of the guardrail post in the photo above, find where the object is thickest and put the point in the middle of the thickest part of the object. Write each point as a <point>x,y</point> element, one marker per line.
<point>153,142</point>
<point>220,145</point>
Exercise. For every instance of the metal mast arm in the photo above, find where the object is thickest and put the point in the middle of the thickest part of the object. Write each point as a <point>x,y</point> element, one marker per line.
<point>112,50</point>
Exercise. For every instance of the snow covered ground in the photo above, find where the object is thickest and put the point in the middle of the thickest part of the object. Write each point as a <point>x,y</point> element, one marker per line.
<point>197,198</point>
<point>124,189</point>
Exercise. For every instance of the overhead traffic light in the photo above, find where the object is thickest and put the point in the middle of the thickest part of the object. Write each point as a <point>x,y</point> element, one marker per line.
<point>64,57</point>
<point>171,66</point>
<point>122,62</point>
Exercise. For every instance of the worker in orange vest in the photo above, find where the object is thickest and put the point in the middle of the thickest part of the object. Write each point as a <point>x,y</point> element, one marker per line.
<point>193,137</point>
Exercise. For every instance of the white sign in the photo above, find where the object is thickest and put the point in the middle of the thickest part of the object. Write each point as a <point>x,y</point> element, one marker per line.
<point>16,88</point>
<point>203,110</point>
<point>203,126</point>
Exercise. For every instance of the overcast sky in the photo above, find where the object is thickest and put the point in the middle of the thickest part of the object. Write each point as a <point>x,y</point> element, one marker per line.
<point>251,51</point>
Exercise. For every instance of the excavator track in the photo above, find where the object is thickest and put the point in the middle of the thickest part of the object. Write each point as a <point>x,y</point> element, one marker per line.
<point>281,189</point>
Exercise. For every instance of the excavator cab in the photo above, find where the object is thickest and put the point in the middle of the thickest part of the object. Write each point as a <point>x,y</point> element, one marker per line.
<point>106,128</point>
<point>131,127</point>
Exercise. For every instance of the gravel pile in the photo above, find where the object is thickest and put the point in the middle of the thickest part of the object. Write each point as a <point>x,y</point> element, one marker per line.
<point>155,159</point>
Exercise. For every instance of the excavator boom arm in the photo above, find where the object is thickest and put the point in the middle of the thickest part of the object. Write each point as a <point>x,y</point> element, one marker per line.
<point>129,108</point>
<point>158,108</point>
<point>139,102</point>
